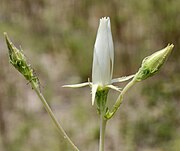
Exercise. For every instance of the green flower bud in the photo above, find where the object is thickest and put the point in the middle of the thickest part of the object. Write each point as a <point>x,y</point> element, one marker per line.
<point>18,60</point>
<point>152,64</point>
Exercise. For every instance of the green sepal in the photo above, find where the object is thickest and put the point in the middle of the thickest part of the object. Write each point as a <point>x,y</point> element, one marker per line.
<point>101,99</point>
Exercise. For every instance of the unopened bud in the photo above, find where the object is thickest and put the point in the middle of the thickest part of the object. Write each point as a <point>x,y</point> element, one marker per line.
<point>18,60</point>
<point>152,64</point>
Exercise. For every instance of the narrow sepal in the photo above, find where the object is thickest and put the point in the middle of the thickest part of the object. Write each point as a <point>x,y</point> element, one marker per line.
<point>114,88</point>
<point>77,85</point>
<point>122,79</point>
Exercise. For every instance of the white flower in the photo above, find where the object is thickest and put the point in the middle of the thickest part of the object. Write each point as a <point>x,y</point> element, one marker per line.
<point>103,61</point>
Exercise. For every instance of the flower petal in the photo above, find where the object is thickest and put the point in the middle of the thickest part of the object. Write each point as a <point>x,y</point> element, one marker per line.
<point>103,59</point>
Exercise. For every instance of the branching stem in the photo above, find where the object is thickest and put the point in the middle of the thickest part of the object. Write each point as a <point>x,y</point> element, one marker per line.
<point>55,121</point>
<point>120,98</point>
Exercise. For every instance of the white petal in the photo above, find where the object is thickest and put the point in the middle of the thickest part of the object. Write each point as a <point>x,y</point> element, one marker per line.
<point>103,59</point>
<point>111,47</point>
<point>122,79</point>
<point>93,91</point>
<point>77,85</point>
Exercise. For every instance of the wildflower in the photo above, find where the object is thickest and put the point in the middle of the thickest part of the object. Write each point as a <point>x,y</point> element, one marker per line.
<point>103,59</point>
<point>103,62</point>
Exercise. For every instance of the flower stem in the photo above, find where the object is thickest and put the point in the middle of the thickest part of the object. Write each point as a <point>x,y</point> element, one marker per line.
<point>101,97</point>
<point>103,122</point>
<point>55,121</point>
<point>120,99</point>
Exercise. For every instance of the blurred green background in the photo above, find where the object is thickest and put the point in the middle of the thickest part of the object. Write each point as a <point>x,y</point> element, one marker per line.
<point>57,37</point>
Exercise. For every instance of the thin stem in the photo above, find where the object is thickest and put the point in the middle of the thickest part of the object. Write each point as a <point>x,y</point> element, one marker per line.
<point>55,121</point>
<point>102,99</point>
<point>103,122</point>
<point>120,98</point>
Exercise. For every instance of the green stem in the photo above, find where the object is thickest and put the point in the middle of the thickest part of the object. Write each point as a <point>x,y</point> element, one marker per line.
<point>55,121</point>
<point>101,97</point>
<point>103,122</point>
<point>120,99</point>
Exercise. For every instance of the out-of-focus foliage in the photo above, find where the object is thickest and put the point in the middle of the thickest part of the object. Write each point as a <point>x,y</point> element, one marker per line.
<point>57,37</point>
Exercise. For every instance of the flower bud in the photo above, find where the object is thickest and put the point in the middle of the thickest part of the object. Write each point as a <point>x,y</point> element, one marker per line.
<point>152,64</point>
<point>103,59</point>
<point>18,60</point>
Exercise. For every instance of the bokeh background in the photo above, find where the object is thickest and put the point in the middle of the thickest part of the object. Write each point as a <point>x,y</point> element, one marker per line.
<point>57,37</point>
